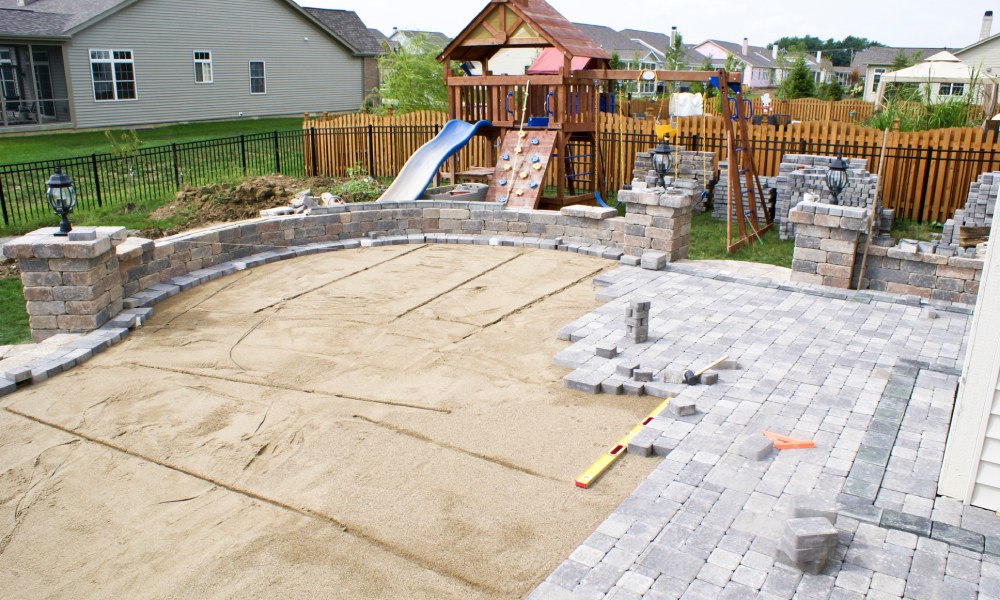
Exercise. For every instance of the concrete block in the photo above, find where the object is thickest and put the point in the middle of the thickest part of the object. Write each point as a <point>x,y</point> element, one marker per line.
<point>626,369</point>
<point>710,378</point>
<point>654,261</point>
<point>681,407</point>
<point>642,443</point>
<point>633,387</point>
<point>810,507</point>
<point>663,445</point>
<point>808,532</point>
<point>643,375</point>
<point>671,376</point>
<point>629,260</point>
<point>756,447</point>
<point>18,375</point>
<point>606,349</point>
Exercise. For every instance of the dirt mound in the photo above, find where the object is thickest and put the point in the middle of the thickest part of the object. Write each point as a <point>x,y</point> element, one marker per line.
<point>8,268</point>
<point>196,207</point>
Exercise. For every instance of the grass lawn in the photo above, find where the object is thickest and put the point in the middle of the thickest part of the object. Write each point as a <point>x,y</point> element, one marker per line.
<point>13,318</point>
<point>911,230</point>
<point>50,146</point>
<point>708,242</point>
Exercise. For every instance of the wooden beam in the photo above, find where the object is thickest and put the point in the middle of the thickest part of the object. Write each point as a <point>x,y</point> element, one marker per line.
<point>506,80</point>
<point>620,74</point>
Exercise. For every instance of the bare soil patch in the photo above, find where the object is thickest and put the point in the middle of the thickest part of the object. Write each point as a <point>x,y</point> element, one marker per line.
<point>376,423</point>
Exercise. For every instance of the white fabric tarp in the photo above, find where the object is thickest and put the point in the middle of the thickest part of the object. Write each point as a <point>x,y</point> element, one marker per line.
<point>685,104</point>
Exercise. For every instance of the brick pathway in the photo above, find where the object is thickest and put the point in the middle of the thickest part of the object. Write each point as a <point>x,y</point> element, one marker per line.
<point>870,378</point>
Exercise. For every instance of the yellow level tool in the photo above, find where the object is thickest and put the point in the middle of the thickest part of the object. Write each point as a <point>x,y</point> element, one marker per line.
<point>595,470</point>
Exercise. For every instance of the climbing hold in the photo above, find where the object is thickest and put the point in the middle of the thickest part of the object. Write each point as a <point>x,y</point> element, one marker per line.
<point>520,192</point>
<point>505,157</point>
<point>522,134</point>
<point>534,141</point>
<point>535,159</point>
<point>524,175</point>
<point>532,185</point>
<point>507,168</point>
<point>502,200</point>
<point>537,166</point>
<point>503,182</point>
<point>517,150</point>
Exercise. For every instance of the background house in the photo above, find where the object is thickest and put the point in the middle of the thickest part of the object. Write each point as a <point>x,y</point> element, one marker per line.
<point>83,63</point>
<point>349,27</point>
<point>762,67</point>
<point>983,55</point>
<point>876,61</point>
<point>401,37</point>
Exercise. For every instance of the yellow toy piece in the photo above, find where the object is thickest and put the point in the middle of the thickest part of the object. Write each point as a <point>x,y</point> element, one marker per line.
<point>598,468</point>
<point>663,131</point>
<point>507,167</point>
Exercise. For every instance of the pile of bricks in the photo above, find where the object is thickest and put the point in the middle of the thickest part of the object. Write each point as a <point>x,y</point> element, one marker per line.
<point>904,270</point>
<point>657,219</point>
<point>720,194</point>
<point>802,174</point>
<point>977,212</point>
<point>807,543</point>
<point>637,321</point>
<point>826,241</point>
<point>71,283</point>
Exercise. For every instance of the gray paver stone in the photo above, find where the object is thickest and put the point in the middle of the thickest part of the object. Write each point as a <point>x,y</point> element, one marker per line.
<point>893,519</point>
<point>756,447</point>
<point>956,536</point>
<point>681,407</point>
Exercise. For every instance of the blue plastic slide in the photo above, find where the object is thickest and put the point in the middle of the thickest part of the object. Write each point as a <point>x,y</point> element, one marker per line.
<point>417,173</point>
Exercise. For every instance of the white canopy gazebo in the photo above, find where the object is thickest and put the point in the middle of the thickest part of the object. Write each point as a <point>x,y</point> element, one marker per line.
<point>945,77</point>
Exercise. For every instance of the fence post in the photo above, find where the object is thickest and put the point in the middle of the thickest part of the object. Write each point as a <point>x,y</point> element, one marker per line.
<point>177,166</point>
<point>243,153</point>
<point>3,205</point>
<point>312,146</point>
<point>97,178</point>
<point>915,208</point>
<point>277,154</point>
<point>371,150</point>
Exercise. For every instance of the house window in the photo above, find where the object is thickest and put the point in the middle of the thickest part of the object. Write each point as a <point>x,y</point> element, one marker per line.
<point>113,74</point>
<point>877,78</point>
<point>951,89</point>
<point>258,83</point>
<point>202,66</point>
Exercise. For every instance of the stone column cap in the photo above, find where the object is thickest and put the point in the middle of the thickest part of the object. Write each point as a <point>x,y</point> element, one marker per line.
<point>42,243</point>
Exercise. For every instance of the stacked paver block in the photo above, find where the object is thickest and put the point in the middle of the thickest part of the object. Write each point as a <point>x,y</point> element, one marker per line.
<point>826,242</point>
<point>906,270</point>
<point>657,219</point>
<point>977,212</point>
<point>807,543</point>
<point>800,175</point>
<point>720,194</point>
<point>637,322</point>
<point>71,283</point>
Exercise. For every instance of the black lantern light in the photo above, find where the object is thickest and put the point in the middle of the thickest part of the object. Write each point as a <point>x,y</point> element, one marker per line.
<point>61,195</point>
<point>662,161</point>
<point>836,178</point>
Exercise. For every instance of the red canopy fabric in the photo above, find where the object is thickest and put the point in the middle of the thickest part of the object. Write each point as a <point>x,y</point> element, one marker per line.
<point>551,60</point>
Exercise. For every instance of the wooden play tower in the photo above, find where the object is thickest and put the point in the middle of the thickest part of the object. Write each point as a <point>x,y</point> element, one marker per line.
<point>553,109</point>
<point>546,122</point>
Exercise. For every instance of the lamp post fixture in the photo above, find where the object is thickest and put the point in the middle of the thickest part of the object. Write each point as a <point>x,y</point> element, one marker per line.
<point>836,178</point>
<point>61,195</point>
<point>662,161</point>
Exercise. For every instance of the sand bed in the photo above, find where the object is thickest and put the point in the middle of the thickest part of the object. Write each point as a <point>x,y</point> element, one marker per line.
<point>379,423</point>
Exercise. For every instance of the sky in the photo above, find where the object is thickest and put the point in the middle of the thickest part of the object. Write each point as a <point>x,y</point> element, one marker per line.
<point>904,23</point>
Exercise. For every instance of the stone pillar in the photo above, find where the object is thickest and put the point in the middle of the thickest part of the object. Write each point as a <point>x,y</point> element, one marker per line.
<point>826,242</point>
<point>658,219</point>
<point>71,284</point>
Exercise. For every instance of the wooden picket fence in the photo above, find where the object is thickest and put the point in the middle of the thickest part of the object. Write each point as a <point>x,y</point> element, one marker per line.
<point>927,173</point>
<point>803,109</point>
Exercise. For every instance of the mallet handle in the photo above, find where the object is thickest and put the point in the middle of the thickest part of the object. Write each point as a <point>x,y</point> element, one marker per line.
<point>715,364</point>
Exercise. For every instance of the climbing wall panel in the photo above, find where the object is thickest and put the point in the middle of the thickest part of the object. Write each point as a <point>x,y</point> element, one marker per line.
<point>519,177</point>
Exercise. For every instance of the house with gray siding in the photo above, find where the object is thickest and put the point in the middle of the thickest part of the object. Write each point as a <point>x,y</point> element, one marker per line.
<point>109,63</point>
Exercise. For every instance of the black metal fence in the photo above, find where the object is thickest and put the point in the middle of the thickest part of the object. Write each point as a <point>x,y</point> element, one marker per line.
<point>150,174</point>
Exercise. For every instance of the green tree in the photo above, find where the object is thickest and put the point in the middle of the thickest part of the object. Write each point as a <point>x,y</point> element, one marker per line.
<point>840,52</point>
<point>831,90</point>
<point>903,60</point>
<point>733,64</point>
<point>615,62</point>
<point>798,82</point>
<point>674,57</point>
<point>412,77</point>
<point>704,88</point>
